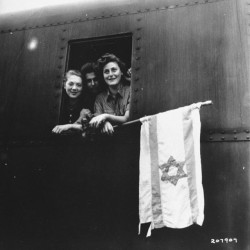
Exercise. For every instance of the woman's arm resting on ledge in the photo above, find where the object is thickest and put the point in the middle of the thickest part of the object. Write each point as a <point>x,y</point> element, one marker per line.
<point>100,119</point>
<point>66,127</point>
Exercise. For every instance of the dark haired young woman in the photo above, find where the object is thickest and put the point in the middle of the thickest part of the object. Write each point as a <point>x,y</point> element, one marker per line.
<point>111,106</point>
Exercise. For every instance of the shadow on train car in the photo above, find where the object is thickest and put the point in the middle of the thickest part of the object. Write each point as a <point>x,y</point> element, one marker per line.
<point>80,191</point>
<point>79,195</point>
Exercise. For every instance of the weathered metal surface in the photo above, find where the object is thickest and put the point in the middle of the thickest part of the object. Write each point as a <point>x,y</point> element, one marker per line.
<point>80,12</point>
<point>234,135</point>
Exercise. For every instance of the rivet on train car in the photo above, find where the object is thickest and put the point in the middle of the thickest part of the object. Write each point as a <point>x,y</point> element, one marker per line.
<point>222,138</point>
<point>137,79</point>
<point>60,57</point>
<point>222,132</point>
<point>235,131</point>
<point>211,138</point>
<point>64,30</point>
<point>138,48</point>
<point>138,38</point>
<point>137,58</point>
<point>11,33</point>
<point>139,19</point>
<point>62,48</point>
<point>247,131</point>
<point>235,138</point>
<point>136,90</point>
<point>248,137</point>
<point>14,177</point>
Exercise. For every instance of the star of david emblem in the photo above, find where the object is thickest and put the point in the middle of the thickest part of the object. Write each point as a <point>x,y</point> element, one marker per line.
<point>172,171</point>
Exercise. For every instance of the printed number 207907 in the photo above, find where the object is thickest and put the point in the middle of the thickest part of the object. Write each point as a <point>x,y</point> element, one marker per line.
<point>225,240</point>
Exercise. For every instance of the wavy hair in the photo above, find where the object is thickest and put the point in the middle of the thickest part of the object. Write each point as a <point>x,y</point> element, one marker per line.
<point>71,72</point>
<point>107,58</point>
<point>88,67</point>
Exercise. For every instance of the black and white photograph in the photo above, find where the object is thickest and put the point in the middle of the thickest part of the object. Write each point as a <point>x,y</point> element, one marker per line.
<point>124,124</point>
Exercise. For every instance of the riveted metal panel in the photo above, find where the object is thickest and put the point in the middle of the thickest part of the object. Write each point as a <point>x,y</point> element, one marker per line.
<point>80,12</point>
<point>197,58</point>
<point>31,81</point>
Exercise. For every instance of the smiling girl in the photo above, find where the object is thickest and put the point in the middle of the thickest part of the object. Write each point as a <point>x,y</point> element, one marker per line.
<point>73,111</point>
<point>111,106</point>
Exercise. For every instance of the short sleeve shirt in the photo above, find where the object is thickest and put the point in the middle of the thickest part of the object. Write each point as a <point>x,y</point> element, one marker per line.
<point>108,104</point>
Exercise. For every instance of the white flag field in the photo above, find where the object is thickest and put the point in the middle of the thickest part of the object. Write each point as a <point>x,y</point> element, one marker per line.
<point>170,184</point>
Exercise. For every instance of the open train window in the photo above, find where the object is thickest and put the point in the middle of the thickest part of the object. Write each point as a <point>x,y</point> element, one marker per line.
<point>88,50</point>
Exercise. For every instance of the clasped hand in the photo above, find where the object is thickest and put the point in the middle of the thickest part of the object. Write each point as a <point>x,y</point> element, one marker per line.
<point>100,121</point>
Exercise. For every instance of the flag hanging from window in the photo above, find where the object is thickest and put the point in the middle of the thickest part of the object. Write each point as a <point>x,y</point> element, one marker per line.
<point>170,185</point>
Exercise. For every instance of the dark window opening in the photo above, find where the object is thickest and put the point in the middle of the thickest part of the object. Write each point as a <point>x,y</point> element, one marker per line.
<point>89,50</point>
<point>82,51</point>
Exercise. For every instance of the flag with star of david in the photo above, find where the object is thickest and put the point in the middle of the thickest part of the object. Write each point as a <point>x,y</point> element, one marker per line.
<point>170,183</point>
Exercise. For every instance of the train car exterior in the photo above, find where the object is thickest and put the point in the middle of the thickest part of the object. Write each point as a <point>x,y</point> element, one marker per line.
<point>65,193</point>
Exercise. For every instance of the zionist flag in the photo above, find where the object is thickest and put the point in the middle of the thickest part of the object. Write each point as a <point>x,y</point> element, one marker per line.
<point>170,184</point>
